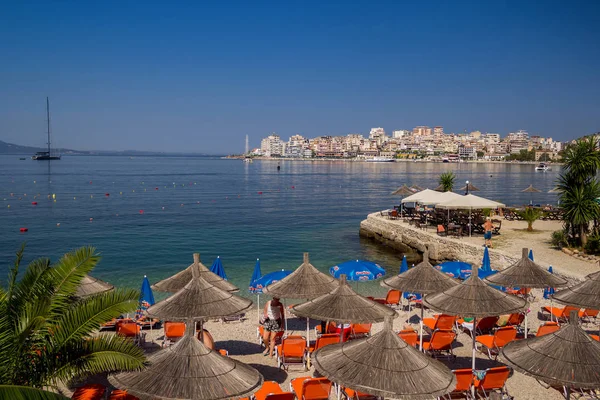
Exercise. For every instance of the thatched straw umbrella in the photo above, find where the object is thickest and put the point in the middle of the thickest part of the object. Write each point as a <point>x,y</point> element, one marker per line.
<point>470,188</point>
<point>90,286</point>
<point>384,365</point>
<point>423,279</point>
<point>344,305</point>
<point>403,191</point>
<point>306,282</point>
<point>197,300</point>
<point>525,273</point>
<point>532,190</point>
<point>474,298</point>
<point>568,357</point>
<point>417,188</point>
<point>189,370</point>
<point>179,280</point>
<point>585,294</point>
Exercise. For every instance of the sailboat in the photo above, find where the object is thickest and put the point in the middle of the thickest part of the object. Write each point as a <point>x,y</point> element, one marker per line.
<point>46,155</point>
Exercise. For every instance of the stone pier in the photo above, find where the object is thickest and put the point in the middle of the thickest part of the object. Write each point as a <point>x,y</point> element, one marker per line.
<point>397,233</point>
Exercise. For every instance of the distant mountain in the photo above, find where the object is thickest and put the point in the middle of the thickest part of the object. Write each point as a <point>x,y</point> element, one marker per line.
<point>10,148</point>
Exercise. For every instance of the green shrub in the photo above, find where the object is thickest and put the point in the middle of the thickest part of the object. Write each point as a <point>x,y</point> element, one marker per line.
<point>592,245</point>
<point>559,239</point>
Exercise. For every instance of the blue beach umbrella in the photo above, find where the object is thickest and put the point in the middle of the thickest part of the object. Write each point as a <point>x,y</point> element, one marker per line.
<point>358,270</point>
<point>146,300</point>
<point>549,291</point>
<point>531,254</point>
<point>455,269</point>
<point>256,274</point>
<point>404,265</point>
<point>217,268</point>
<point>486,267</point>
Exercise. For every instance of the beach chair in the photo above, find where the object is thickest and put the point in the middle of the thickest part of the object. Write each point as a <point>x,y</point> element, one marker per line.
<point>441,341</point>
<point>322,341</point>
<point>441,230</point>
<point>484,325</point>
<point>233,318</point>
<point>410,336</point>
<point>464,378</point>
<point>493,343</point>
<point>91,391</point>
<point>359,331</point>
<point>392,298</point>
<point>350,394</point>
<point>259,333</point>
<point>439,321</point>
<point>596,337</point>
<point>521,292</point>
<point>268,388</point>
<point>547,328</point>
<point>291,351</point>
<point>307,388</point>
<point>130,330</point>
<point>515,319</point>
<point>587,314</point>
<point>119,394</point>
<point>561,314</point>
<point>223,352</point>
<point>173,332</point>
<point>493,380</point>
<point>330,327</point>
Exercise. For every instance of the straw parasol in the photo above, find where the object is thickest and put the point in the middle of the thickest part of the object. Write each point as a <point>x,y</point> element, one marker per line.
<point>384,365</point>
<point>474,298</point>
<point>568,357</point>
<point>440,188</point>
<point>470,187</point>
<point>90,286</point>
<point>306,282</point>
<point>584,294</point>
<point>197,300</point>
<point>343,305</point>
<point>555,190</point>
<point>403,191</point>
<point>525,273</point>
<point>417,188</point>
<point>189,370</point>
<point>423,279</point>
<point>531,189</point>
<point>180,279</point>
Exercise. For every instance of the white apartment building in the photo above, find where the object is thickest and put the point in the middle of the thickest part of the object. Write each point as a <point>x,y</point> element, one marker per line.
<point>399,134</point>
<point>438,131</point>
<point>272,146</point>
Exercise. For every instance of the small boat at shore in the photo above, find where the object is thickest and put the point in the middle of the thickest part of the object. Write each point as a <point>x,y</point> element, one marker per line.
<point>380,159</point>
<point>543,167</point>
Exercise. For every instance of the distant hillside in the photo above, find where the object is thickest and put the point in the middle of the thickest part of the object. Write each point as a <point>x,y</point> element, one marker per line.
<point>10,148</point>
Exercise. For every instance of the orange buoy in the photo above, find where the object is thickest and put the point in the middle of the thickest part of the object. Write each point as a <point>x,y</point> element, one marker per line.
<point>107,194</point>
<point>155,188</point>
<point>91,219</point>
<point>259,192</point>
<point>23,230</point>
<point>141,211</point>
<point>293,187</point>
<point>34,203</point>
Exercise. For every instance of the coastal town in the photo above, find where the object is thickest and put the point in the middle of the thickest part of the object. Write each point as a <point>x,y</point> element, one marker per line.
<point>422,142</point>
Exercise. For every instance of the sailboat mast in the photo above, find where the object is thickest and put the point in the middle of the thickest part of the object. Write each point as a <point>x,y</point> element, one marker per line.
<point>48,121</point>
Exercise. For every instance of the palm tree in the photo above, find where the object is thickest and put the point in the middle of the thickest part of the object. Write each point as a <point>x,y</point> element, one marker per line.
<point>48,336</point>
<point>447,181</point>
<point>530,215</point>
<point>579,188</point>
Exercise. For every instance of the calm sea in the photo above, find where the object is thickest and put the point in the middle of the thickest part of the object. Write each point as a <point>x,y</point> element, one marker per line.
<point>162,209</point>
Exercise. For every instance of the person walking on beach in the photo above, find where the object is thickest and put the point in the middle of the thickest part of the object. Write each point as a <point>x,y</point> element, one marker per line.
<point>272,322</point>
<point>487,227</point>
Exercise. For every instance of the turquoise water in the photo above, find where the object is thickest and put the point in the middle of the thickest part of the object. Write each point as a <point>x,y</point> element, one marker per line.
<point>213,207</point>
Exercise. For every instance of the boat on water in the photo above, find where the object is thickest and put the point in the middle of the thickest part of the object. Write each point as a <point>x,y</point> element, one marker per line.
<point>247,159</point>
<point>380,159</point>
<point>543,167</point>
<point>46,155</point>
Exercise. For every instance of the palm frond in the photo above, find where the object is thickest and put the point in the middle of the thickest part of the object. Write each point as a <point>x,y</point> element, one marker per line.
<point>13,392</point>
<point>104,353</point>
<point>87,315</point>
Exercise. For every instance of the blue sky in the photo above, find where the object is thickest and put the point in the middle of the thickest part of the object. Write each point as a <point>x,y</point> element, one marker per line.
<point>199,76</point>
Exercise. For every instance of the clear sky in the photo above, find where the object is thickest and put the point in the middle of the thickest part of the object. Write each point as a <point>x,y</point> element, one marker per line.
<point>199,76</point>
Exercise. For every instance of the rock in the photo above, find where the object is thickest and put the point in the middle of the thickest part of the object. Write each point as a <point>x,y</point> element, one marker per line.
<point>567,251</point>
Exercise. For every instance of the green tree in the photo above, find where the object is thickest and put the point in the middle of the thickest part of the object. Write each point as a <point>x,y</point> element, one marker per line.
<point>530,215</point>
<point>49,336</point>
<point>447,180</point>
<point>579,188</point>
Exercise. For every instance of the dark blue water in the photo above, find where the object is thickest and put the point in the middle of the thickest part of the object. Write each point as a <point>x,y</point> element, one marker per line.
<point>213,207</point>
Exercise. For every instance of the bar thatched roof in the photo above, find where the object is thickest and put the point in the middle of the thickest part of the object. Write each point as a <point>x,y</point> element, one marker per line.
<point>90,286</point>
<point>568,357</point>
<point>199,299</point>
<point>417,188</point>
<point>384,365</point>
<point>343,305</point>
<point>306,282</point>
<point>403,191</point>
<point>423,278</point>
<point>531,189</point>
<point>179,280</point>
<point>585,294</point>
<point>472,188</point>
<point>188,370</point>
<point>474,298</point>
<point>525,273</point>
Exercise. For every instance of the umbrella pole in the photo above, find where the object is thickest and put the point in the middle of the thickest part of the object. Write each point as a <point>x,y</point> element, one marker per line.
<point>307,333</point>
<point>285,316</point>
<point>421,328</point>
<point>258,306</point>
<point>526,323</point>
<point>470,222</point>
<point>473,359</point>
<point>551,309</point>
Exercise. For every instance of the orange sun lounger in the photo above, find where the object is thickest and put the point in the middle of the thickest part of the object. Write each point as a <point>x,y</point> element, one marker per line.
<point>307,388</point>
<point>291,351</point>
<point>547,328</point>
<point>441,340</point>
<point>561,314</point>
<point>493,380</point>
<point>493,343</point>
<point>92,391</point>
<point>440,321</point>
<point>119,394</point>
